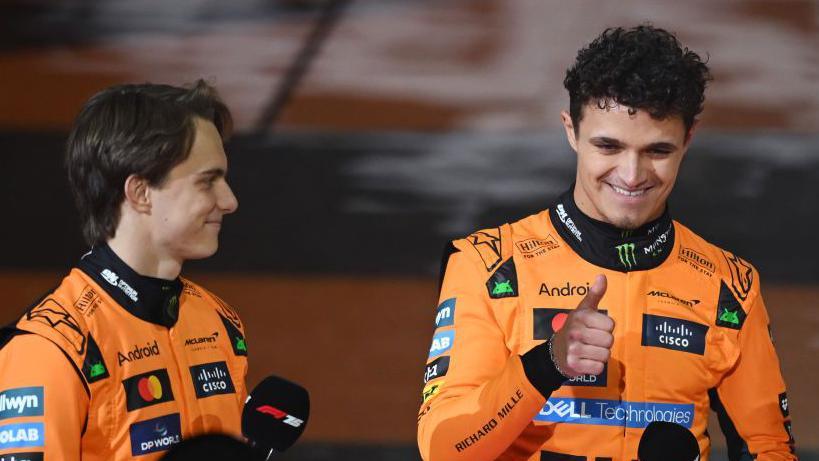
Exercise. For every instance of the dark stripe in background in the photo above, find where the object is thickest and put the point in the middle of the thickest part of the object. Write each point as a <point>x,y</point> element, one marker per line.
<point>387,203</point>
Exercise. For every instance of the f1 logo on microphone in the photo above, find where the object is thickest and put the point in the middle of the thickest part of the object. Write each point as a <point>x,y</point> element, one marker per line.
<point>278,414</point>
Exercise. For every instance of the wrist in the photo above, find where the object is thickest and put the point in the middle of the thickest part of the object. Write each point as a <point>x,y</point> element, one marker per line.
<point>552,357</point>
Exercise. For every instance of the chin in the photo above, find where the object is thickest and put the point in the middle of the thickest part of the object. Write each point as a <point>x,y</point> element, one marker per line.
<point>201,251</point>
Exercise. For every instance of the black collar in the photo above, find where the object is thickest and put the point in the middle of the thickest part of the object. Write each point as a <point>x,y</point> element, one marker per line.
<point>607,246</point>
<point>151,299</point>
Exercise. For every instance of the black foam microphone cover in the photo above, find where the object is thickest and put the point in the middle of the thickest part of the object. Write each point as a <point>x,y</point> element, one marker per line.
<point>275,414</point>
<point>666,441</point>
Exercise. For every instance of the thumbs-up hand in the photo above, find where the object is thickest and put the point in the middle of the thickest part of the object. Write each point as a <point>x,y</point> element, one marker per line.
<point>583,345</point>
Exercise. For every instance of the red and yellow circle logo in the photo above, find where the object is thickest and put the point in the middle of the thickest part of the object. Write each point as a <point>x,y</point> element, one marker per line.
<point>150,388</point>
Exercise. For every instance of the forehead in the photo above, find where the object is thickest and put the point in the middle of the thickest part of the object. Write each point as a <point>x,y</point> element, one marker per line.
<point>207,151</point>
<point>623,123</point>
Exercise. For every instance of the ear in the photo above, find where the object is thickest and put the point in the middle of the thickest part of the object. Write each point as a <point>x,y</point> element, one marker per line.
<point>568,125</point>
<point>137,195</point>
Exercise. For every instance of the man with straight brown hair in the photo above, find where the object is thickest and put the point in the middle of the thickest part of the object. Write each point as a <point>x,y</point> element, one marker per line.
<point>125,358</point>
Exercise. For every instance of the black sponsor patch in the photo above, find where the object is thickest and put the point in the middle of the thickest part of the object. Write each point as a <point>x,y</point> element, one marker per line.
<point>783,404</point>
<point>211,379</point>
<point>436,369</point>
<point>93,366</point>
<point>789,430</point>
<point>488,245</point>
<point>26,456</point>
<point>742,275</point>
<point>674,334</point>
<point>548,321</point>
<point>552,456</point>
<point>504,282</point>
<point>146,389</point>
<point>729,311</point>
<point>236,338</point>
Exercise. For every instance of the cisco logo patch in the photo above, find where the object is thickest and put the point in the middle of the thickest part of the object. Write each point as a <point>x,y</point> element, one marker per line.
<point>675,334</point>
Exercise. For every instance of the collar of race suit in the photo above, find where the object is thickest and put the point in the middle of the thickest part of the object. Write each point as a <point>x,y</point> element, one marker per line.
<point>605,245</point>
<point>151,299</point>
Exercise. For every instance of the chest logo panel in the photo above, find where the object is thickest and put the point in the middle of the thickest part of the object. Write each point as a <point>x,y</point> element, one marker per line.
<point>211,379</point>
<point>674,334</point>
<point>547,322</point>
<point>158,434</point>
<point>146,389</point>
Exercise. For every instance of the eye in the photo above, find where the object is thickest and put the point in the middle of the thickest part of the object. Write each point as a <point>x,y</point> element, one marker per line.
<point>608,148</point>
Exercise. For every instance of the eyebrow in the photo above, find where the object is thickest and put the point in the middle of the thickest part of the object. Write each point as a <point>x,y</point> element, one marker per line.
<point>662,145</point>
<point>212,173</point>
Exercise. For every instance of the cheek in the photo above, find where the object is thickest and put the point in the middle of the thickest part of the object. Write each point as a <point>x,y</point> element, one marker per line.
<point>667,171</point>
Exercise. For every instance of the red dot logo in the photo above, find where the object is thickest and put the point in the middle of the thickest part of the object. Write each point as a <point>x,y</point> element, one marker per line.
<point>558,321</point>
<point>150,388</point>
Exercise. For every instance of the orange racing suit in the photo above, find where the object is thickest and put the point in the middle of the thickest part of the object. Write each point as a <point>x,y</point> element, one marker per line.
<point>112,365</point>
<point>691,332</point>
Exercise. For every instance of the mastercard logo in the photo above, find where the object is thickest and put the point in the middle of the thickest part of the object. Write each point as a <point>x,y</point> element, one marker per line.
<point>558,321</point>
<point>150,388</point>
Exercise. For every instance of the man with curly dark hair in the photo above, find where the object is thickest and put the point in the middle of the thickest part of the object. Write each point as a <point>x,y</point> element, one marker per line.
<point>564,335</point>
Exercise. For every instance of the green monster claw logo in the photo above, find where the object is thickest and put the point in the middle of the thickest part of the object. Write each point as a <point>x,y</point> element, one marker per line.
<point>97,369</point>
<point>627,256</point>
<point>240,344</point>
<point>502,288</point>
<point>729,317</point>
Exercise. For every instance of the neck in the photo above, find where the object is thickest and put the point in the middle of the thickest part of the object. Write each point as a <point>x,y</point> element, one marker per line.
<point>606,245</point>
<point>140,255</point>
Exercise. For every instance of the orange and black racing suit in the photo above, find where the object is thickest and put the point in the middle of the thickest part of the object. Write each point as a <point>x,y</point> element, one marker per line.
<point>691,332</point>
<point>112,365</point>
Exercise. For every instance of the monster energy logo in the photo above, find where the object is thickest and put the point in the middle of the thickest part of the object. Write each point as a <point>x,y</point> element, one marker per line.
<point>627,256</point>
<point>240,344</point>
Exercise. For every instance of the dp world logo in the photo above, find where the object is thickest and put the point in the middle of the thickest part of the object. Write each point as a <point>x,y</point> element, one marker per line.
<point>628,258</point>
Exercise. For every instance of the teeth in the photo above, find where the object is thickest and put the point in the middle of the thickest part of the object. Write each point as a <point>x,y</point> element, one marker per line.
<point>627,193</point>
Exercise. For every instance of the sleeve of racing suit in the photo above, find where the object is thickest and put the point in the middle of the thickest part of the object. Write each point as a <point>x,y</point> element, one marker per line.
<point>752,405</point>
<point>480,397</point>
<point>43,402</point>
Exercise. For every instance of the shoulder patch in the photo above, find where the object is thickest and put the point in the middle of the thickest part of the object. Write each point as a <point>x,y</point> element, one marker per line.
<point>236,338</point>
<point>224,310</point>
<point>54,315</point>
<point>504,282</point>
<point>729,311</point>
<point>742,275</point>
<point>488,245</point>
<point>93,366</point>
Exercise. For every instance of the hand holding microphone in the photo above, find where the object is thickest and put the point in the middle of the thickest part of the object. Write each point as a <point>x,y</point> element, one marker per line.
<point>583,345</point>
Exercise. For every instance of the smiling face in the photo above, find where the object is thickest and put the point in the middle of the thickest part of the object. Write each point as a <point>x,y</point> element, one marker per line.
<point>187,208</point>
<point>627,164</point>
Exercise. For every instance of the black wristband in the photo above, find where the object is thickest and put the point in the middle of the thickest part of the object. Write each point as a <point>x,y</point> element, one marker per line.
<point>541,371</point>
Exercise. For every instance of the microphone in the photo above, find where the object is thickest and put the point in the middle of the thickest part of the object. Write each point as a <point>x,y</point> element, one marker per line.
<point>275,415</point>
<point>666,441</point>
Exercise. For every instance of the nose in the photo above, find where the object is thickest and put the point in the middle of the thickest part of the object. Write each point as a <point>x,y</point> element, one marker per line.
<point>226,200</point>
<point>633,169</point>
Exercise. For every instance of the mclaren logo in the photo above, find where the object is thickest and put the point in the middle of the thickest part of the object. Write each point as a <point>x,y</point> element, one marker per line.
<point>668,296</point>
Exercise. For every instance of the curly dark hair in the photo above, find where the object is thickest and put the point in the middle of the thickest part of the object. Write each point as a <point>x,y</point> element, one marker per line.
<point>143,129</point>
<point>642,68</point>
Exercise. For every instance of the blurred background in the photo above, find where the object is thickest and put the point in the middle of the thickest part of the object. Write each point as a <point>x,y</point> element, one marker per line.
<point>370,132</point>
